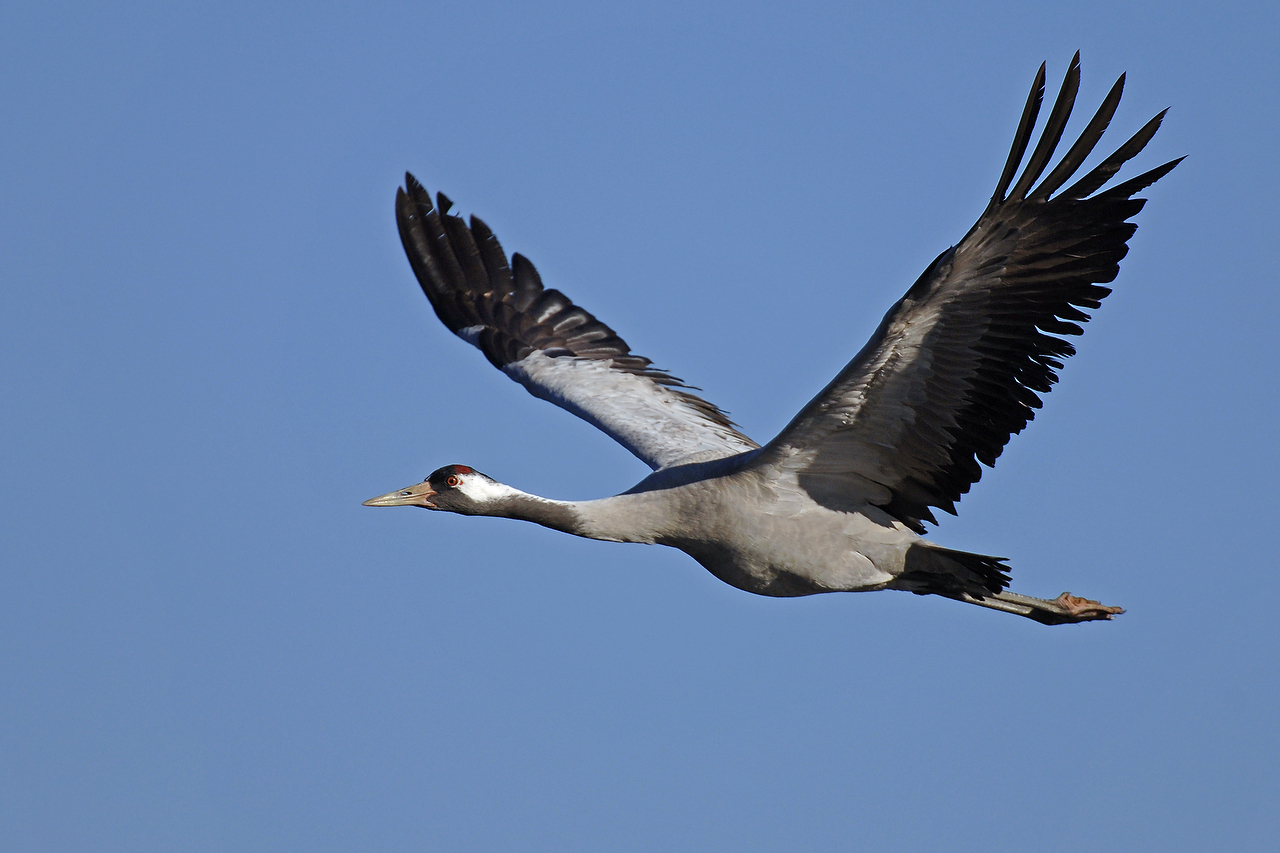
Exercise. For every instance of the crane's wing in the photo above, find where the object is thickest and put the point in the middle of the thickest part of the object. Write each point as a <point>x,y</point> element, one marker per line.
<point>555,349</point>
<point>958,364</point>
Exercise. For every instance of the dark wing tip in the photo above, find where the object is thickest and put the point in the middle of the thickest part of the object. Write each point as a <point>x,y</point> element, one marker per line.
<point>1021,137</point>
<point>1105,170</point>
<point>1146,179</point>
<point>1051,134</point>
<point>1083,146</point>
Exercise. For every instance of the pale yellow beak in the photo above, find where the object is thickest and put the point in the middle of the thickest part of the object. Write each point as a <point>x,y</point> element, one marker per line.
<point>418,494</point>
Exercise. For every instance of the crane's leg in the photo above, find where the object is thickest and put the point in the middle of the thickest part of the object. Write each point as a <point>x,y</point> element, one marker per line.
<point>1064,609</point>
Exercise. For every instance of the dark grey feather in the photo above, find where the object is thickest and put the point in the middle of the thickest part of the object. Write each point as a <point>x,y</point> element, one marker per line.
<point>505,310</point>
<point>959,364</point>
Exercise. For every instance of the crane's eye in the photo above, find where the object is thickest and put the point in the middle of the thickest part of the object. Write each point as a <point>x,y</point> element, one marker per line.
<point>453,482</point>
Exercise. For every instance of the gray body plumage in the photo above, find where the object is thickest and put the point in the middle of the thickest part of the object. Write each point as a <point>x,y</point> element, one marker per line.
<point>838,500</point>
<point>739,521</point>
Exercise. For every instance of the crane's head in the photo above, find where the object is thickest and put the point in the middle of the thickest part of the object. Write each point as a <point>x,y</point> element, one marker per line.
<point>454,488</point>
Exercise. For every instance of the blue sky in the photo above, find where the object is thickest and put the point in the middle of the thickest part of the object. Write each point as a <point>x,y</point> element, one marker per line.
<point>212,349</point>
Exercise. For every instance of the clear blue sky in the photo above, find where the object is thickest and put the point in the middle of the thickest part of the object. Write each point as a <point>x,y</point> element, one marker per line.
<point>212,349</point>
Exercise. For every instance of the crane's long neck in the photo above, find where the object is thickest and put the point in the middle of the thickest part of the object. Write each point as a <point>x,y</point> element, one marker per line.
<point>558,515</point>
<point>624,518</point>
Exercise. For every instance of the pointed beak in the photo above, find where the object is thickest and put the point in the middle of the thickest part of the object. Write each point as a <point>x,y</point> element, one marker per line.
<point>418,494</point>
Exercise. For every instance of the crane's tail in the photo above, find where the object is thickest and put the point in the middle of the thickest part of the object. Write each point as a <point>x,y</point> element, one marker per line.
<point>932,570</point>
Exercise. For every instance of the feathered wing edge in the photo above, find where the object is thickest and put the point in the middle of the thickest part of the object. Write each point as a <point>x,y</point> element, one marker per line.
<point>557,350</point>
<point>958,364</point>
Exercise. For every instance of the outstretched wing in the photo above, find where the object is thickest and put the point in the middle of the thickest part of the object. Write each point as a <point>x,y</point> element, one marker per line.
<point>958,364</point>
<point>555,349</point>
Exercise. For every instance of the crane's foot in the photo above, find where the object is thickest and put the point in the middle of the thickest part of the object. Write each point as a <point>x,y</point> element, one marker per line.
<point>1084,609</point>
